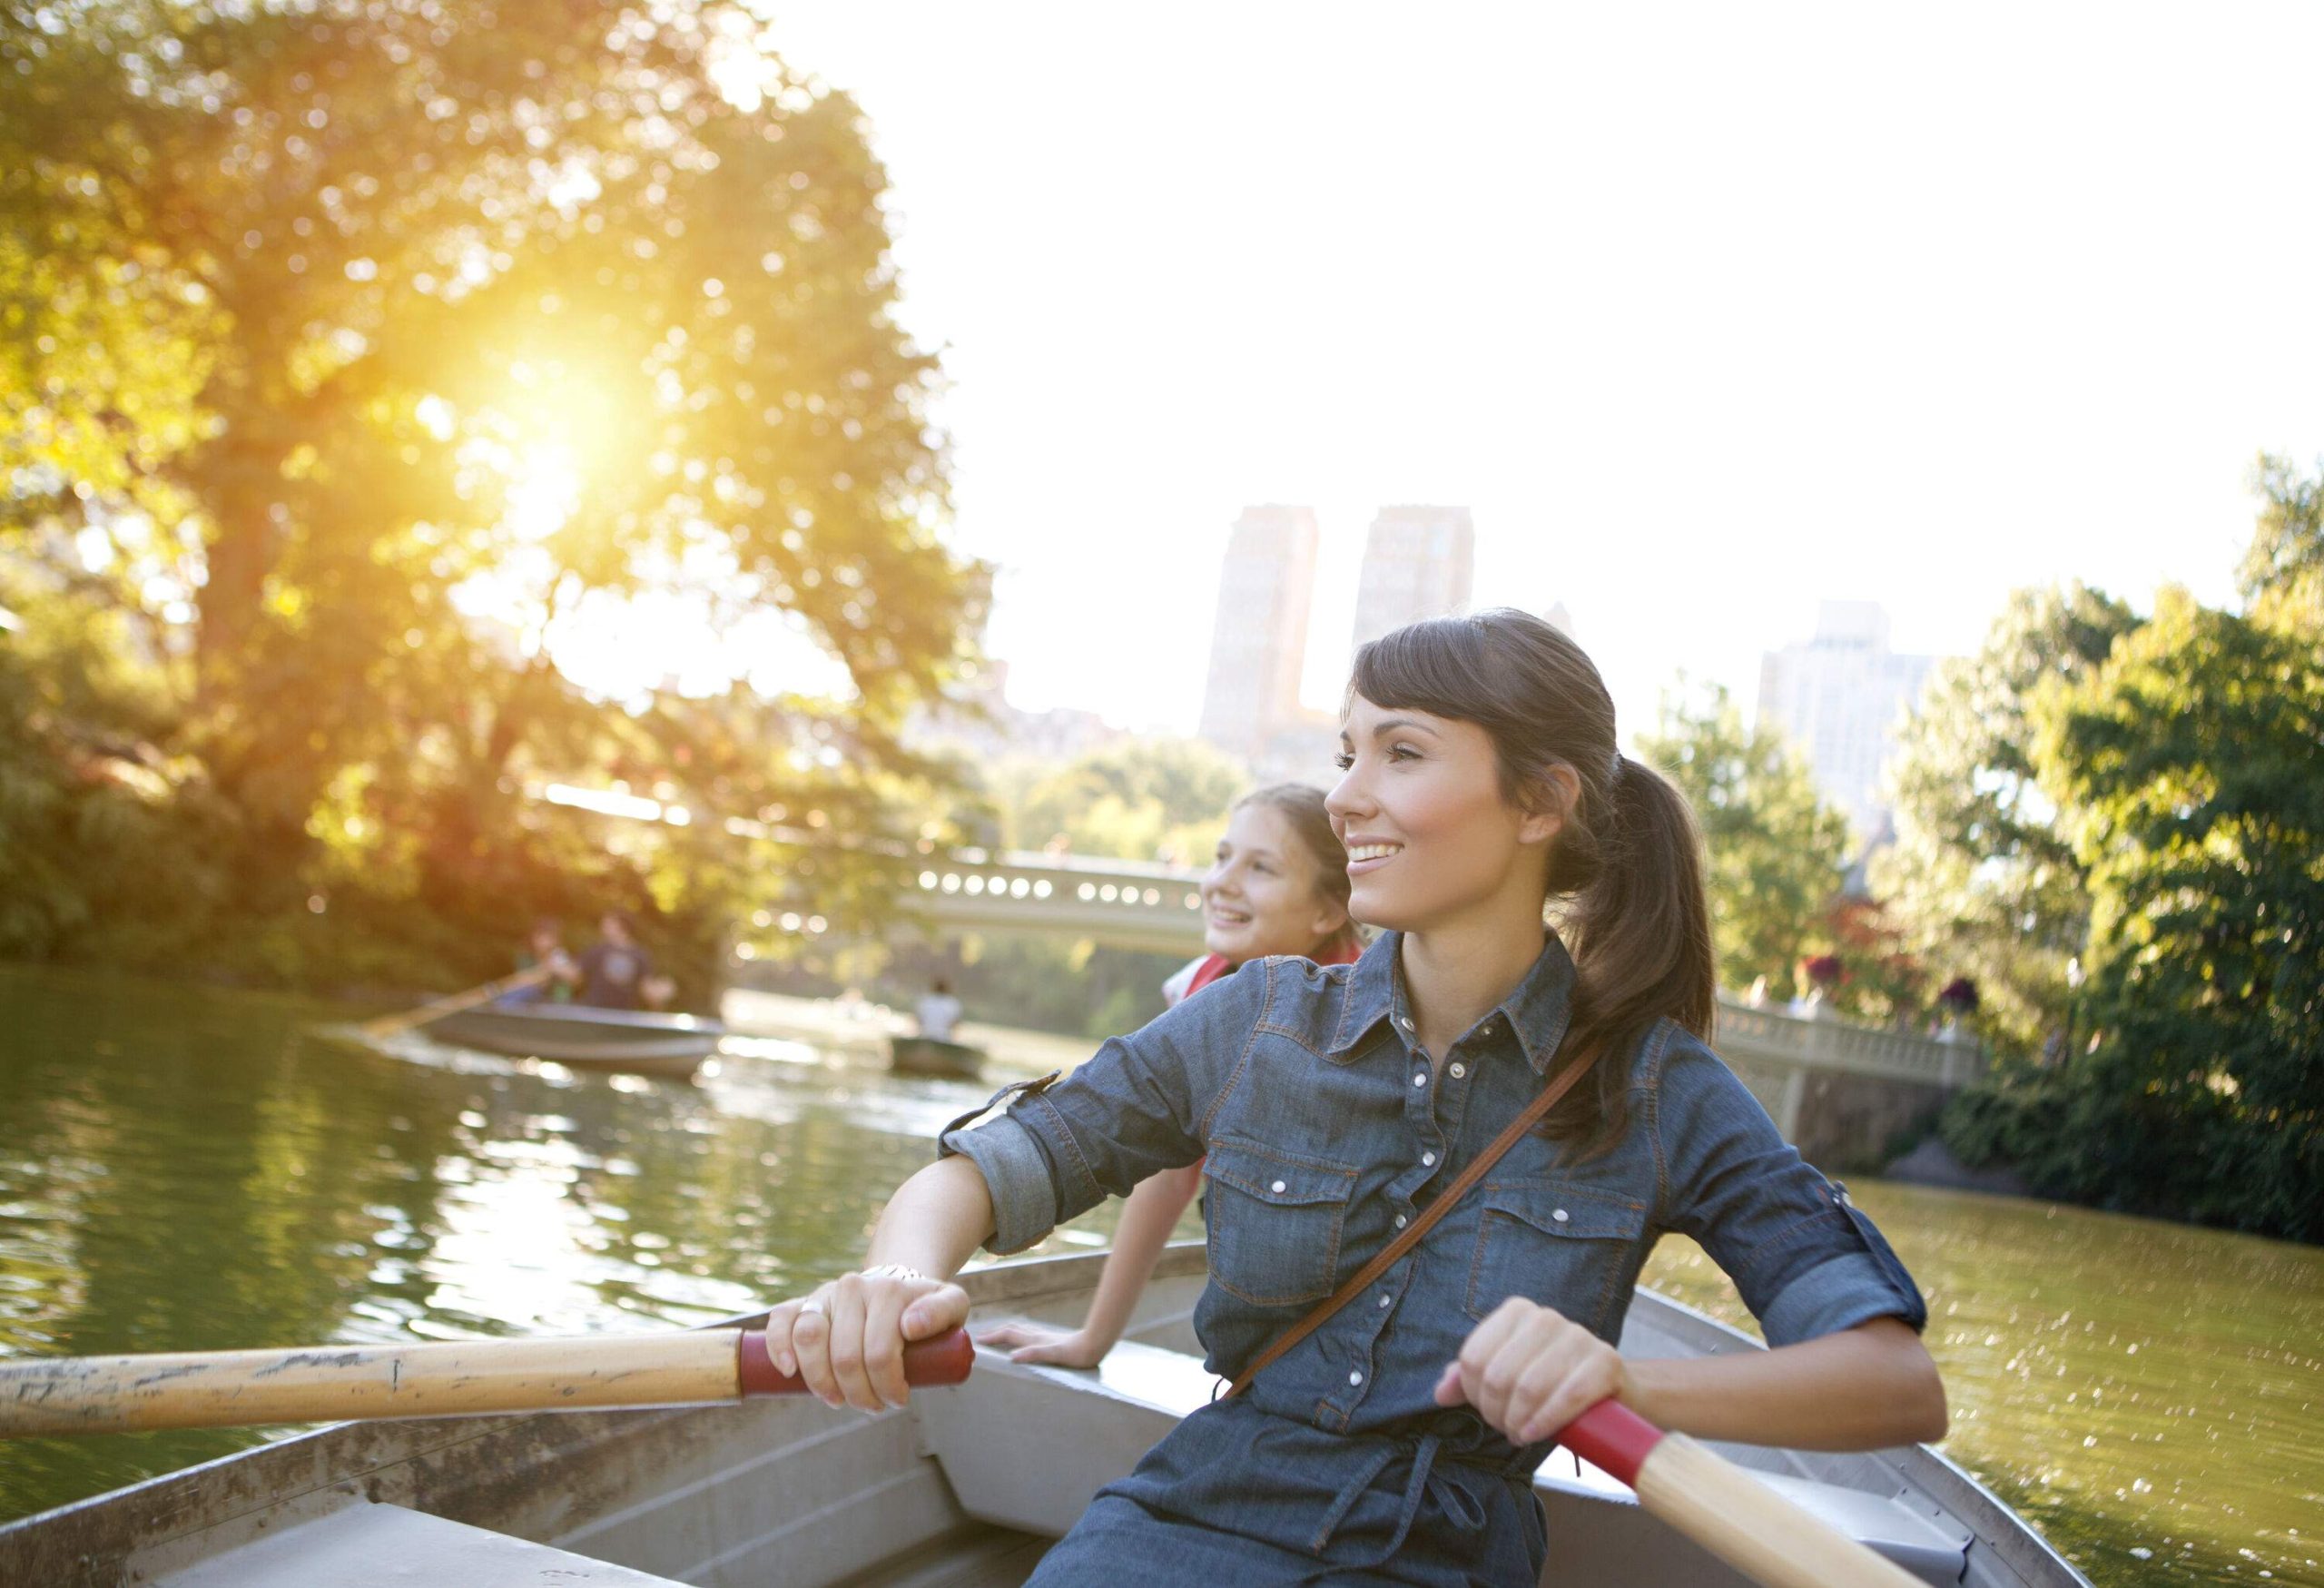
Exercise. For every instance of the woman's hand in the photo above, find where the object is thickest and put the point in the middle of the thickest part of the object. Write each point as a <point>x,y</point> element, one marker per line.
<point>847,1338</point>
<point>1529,1371</point>
<point>1031,1343</point>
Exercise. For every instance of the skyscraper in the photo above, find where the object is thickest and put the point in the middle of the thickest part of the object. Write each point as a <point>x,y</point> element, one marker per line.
<point>1838,697</point>
<point>1258,641</point>
<point>1418,562</point>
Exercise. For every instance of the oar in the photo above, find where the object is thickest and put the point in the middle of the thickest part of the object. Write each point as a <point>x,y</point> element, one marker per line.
<point>328,1384</point>
<point>388,1025</point>
<point>1723,1508</point>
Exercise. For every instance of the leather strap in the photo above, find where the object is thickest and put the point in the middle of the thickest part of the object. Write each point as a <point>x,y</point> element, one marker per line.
<point>1389,1254</point>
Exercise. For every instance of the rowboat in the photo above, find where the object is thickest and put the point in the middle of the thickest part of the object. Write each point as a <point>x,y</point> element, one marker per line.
<point>963,1488</point>
<point>671,1045</point>
<point>929,1056</point>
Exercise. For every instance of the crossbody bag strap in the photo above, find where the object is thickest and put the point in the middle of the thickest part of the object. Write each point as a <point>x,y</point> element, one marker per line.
<point>1410,1237</point>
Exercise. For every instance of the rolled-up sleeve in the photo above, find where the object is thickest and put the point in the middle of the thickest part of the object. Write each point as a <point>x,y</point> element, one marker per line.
<point>1806,1262</point>
<point>1132,1110</point>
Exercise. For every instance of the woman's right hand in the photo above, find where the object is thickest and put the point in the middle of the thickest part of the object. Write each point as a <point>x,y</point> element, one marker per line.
<point>846,1339</point>
<point>1031,1343</point>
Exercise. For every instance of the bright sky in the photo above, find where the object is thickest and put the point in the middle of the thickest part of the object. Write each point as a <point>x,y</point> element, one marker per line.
<point>1707,311</point>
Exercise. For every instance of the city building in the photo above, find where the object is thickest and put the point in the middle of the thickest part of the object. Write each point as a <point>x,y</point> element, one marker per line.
<point>1839,698</point>
<point>1258,641</point>
<point>1418,562</point>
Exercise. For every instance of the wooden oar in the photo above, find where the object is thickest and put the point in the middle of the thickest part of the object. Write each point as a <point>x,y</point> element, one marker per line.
<point>1723,1508</point>
<point>328,1384</point>
<point>388,1025</point>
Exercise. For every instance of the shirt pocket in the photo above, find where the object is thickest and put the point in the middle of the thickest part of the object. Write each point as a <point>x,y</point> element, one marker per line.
<point>1275,1221</point>
<point>1554,1244</point>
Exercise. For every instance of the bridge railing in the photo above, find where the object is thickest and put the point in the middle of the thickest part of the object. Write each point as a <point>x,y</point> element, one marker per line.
<point>1124,903</point>
<point>1838,1044</point>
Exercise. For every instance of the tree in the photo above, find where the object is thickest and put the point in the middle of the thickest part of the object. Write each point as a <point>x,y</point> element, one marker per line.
<point>1777,854</point>
<point>2190,771</point>
<point>1152,799</point>
<point>357,350</point>
<point>2282,574</point>
<point>1981,881</point>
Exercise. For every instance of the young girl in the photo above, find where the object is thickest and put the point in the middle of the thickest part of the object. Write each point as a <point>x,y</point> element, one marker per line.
<point>1278,885</point>
<point>1397,1442</point>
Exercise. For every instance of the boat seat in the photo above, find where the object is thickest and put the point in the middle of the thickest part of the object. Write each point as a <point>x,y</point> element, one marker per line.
<point>368,1545</point>
<point>1041,1485</point>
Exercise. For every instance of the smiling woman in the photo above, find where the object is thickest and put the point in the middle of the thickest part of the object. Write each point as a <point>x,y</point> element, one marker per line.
<point>1341,1107</point>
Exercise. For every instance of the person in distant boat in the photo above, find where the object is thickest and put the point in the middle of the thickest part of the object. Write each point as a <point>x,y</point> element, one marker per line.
<point>1276,885</point>
<point>1538,1010</point>
<point>615,969</point>
<point>939,1012</point>
<point>545,947</point>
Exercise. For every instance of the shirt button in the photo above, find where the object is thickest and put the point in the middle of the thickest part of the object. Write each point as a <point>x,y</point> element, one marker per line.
<point>1484,1031</point>
<point>1278,1187</point>
<point>1427,1160</point>
<point>1420,1077</point>
<point>1558,1215</point>
<point>1404,1021</point>
<point>1356,1379</point>
<point>1387,1300</point>
<point>1400,1221</point>
<point>1459,1070</point>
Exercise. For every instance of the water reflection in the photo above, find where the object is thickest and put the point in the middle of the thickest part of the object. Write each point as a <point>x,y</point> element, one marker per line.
<point>2148,1395</point>
<point>190,1170</point>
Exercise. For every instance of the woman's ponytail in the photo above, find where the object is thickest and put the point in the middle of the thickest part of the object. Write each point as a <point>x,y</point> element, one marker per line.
<point>1640,933</point>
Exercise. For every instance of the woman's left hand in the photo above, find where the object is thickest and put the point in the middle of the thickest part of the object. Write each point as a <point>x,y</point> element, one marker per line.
<point>1529,1371</point>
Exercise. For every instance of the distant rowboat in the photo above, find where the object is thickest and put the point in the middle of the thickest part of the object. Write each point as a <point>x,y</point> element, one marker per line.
<point>927,1056</point>
<point>668,1045</point>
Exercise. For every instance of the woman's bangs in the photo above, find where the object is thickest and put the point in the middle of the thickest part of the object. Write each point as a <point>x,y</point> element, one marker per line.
<point>1437,666</point>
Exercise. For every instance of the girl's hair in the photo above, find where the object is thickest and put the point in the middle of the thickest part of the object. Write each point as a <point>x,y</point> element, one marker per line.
<point>1310,826</point>
<point>1625,878</point>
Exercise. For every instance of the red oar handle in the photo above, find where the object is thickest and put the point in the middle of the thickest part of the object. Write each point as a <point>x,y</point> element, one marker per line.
<point>1614,1438</point>
<point>945,1359</point>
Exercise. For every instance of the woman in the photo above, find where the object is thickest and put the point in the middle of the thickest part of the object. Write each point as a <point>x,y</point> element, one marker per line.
<point>1397,1442</point>
<point>1277,886</point>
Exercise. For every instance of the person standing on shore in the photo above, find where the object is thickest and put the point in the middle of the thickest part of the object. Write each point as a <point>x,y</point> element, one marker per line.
<point>1277,886</point>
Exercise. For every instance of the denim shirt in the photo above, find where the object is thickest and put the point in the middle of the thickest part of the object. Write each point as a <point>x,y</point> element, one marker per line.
<point>1324,1129</point>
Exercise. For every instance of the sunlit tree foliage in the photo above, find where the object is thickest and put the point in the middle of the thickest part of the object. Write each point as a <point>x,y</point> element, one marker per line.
<point>1981,881</point>
<point>1777,854</point>
<point>357,352</point>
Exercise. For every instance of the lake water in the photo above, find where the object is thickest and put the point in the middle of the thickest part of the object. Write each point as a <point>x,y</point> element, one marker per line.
<point>183,1169</point>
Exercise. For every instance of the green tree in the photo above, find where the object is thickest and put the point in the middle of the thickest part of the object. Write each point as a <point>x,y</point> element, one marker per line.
<point>2189,770</point>
<point>2282,574</point>
<point>1151,799</point>
<point>1981,881</point>
<point>1777,854</point>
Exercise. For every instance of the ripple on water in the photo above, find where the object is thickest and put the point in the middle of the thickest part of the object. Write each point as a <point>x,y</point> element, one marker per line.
<point>2126,1383</point>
